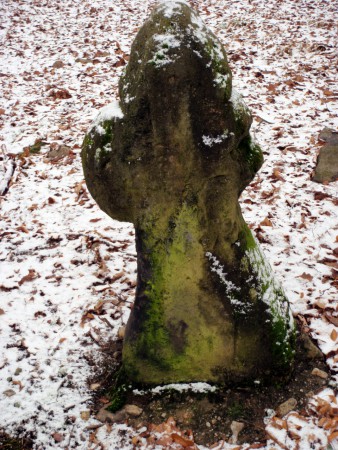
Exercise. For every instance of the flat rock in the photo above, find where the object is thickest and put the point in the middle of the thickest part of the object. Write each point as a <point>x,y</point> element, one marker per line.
<point>57,152</point>
<point>286,407</point>
<point>58,64</point>
<point>133,410</point>
<point>9,393</point>
<point>106,416</point>
<point>320,373</point>
<point>311,351</point>
<point>326,170</point>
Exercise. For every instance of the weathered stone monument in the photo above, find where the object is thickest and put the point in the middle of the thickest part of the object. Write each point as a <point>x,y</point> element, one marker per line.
<point>173,157</point>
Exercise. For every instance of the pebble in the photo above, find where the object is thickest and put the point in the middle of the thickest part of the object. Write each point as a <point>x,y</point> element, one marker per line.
<point>106,416</point>
<point>236,428</point>
<point>85,415</point>
<point>133,410</point>
<point>310,349</point>
<point>286,407</point>
<point>9,393</point>
<point>58,64</point>
<point>320,373</point>
<point>58,437</point>
<point>95,386</point>
<point>121,332</point>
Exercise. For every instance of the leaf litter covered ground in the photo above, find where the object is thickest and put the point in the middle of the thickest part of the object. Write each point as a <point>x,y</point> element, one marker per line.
<point>68,272</point>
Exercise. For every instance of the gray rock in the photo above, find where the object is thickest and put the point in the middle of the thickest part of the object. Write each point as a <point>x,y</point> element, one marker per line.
<point>133,410</point>
<point>58,64</point>
<point>327,163</point>
<point>106,416</point>
<point>320,373</point>
<point>9,393</point>
<point>311,351</point>
<point>286,407</point>
<point>57,151</point>
<point>173,158</point>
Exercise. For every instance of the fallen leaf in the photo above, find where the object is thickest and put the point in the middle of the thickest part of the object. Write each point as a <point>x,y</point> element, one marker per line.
<point>331,318</point>
<point>32,275</point>
<point>266,222</point>
<point>58,437</point>
<point>333,436</point>
<point>86,317</point>
<point>277,175</point>
<point>23,228</point>
<point>18,383</point>
<point>59,94</point>
<point>306,276</point>
<point>181,440</point>
<point>334,335</point>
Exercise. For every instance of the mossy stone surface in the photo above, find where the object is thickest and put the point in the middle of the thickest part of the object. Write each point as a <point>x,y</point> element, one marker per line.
<point>173,158</point>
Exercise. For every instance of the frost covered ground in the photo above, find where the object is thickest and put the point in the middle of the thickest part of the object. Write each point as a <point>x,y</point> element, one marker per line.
<point>67,272</point>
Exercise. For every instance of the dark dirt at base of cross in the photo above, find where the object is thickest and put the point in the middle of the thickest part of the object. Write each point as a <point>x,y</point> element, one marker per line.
<point>209,415</point>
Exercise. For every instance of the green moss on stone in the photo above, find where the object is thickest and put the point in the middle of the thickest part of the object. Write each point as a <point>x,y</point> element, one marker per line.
<point>252,154</point>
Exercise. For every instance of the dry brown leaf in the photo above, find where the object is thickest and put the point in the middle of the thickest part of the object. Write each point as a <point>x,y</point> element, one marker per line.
<point>328,93</point>
<point>23,228</point>
<point>60,94</point>
<point>270,433</point>
<point>117,276</point>
<point>334,335</point>
<point>306,276</point>
<point>324,409</point>
<point>281,423</point>
<point>266,222</point>
<point>333,435</point>
<point>18,383</point>
<point>181,440</point>
<point>85,318</point>
<point>277,175</point>
<point>32,275</point>
<point>322,422</point>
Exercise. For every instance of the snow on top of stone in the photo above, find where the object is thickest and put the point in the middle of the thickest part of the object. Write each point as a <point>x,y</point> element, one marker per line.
<point>108,112</point>
<point>165,42</point>
<point>170,7</point>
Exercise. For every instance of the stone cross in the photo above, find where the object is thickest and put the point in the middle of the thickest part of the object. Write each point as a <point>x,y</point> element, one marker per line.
<point>173,157</point>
